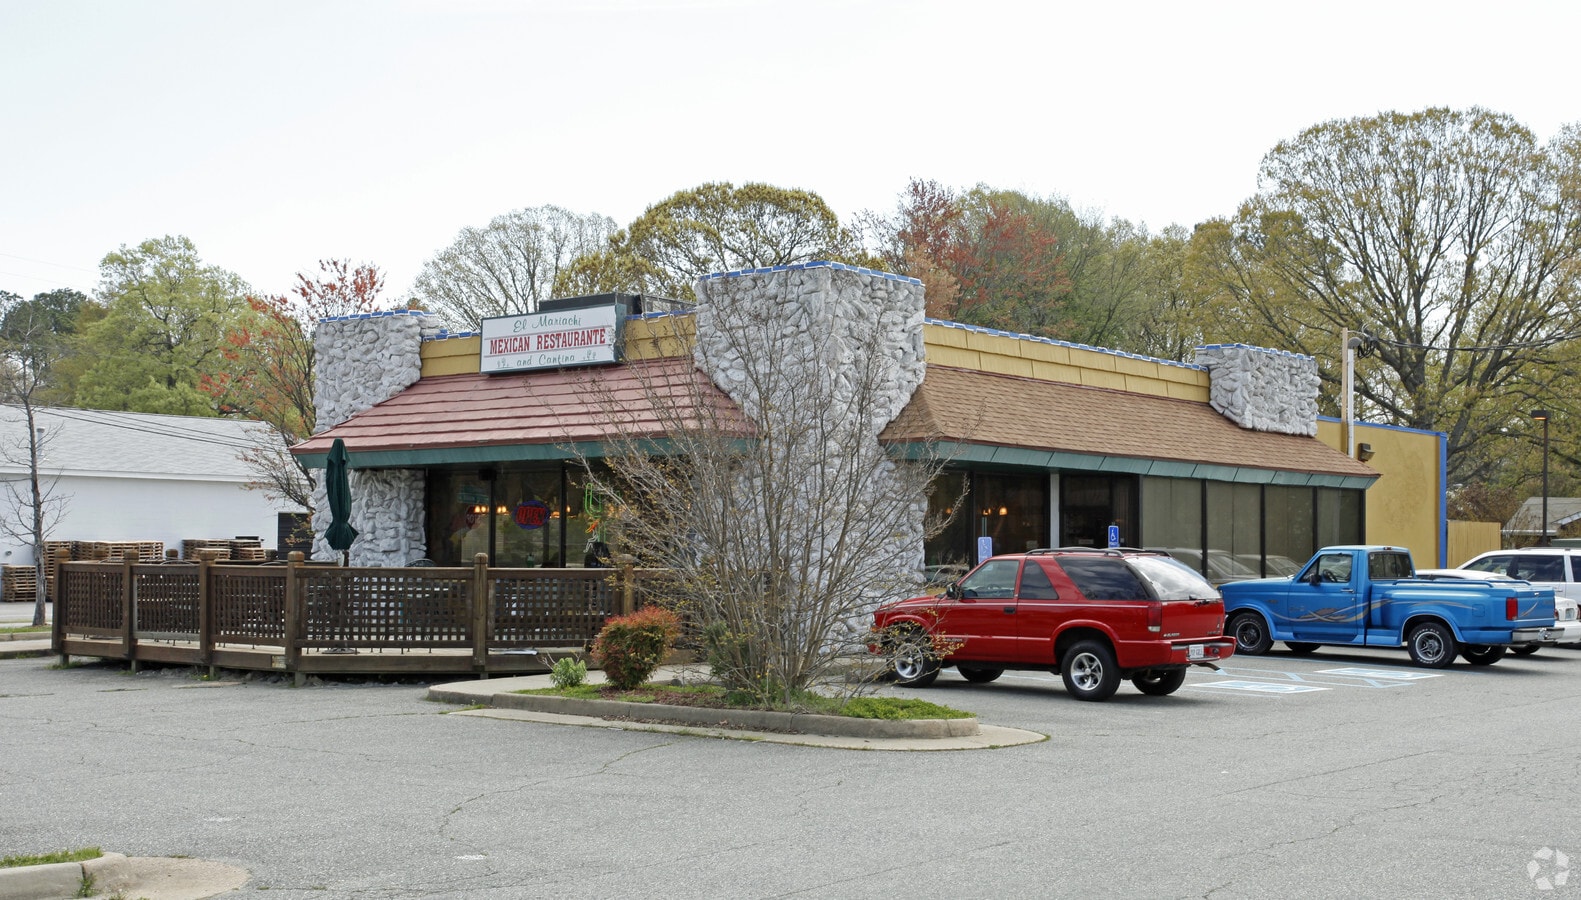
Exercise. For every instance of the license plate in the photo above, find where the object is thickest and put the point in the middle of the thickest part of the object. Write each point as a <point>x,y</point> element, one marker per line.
<point>1195,651</point>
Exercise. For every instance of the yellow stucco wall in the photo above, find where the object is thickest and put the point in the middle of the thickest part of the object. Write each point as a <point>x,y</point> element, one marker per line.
<point>671,336</point>
<point>1405,504</point>
<point>1045,361</point>
<point>645,339</point>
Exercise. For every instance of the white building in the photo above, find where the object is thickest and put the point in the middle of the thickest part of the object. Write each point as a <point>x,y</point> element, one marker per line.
<point>132,477</point>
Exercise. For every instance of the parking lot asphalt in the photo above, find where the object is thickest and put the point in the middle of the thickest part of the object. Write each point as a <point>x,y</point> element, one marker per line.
<point>1343,774</point>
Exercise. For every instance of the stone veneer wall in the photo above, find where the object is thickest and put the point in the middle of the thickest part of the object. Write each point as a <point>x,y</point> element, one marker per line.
<point>811,328</point>
<point>1262,389</point>
<point>362,361</point>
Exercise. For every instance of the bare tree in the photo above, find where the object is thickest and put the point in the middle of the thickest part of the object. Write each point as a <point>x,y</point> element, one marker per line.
<point>29,345</point>
<point>780,516</point>
<point>509,266</point>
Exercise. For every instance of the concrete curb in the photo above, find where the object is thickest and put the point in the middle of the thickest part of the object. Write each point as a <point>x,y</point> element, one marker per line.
<point>736,719</point>
<point>58,880</point>
<point>16,649</point>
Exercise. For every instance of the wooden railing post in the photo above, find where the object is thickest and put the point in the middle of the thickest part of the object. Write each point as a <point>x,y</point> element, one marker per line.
<point>293,613</point>
<point>58,622</point>
<point>480,614</point>
<point>128,613</point>
<point>628,585</point>
<point>205,607</point>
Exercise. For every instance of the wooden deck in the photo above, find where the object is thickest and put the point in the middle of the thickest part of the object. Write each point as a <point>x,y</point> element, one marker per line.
<point>307,619</point>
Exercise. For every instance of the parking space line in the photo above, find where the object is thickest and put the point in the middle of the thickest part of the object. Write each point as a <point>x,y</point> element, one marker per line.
<point>1261,687</point>
<point>1391,674</point>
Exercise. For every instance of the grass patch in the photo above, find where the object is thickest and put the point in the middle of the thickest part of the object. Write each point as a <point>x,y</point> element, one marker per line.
<point>26,629</point>
<point>59,856</point>
<point>715,697</point>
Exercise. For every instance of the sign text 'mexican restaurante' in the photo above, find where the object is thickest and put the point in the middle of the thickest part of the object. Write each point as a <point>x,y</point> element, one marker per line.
<point>551,340</point>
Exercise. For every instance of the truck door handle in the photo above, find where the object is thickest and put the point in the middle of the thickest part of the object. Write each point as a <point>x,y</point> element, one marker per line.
<point>1010,609</point>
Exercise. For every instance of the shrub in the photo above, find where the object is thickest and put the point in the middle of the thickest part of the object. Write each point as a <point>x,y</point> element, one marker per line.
<point>568,672</point>
<point>630,648</point>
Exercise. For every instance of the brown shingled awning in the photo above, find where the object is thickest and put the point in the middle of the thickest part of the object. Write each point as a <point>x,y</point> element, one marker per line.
<point>537,415</point>
<point>1006,420</point>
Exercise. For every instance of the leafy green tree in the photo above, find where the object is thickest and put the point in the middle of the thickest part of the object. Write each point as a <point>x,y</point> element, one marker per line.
<point>717,227</point>
<point>509,266</point>
<point>163,333</point>
<point>44,327</point>
<point>1449,238</point>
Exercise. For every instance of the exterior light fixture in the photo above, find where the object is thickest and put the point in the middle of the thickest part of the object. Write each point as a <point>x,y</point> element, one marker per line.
<point>1364,452</point>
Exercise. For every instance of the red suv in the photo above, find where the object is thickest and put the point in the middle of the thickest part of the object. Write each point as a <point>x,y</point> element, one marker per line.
<point>1093,616</point>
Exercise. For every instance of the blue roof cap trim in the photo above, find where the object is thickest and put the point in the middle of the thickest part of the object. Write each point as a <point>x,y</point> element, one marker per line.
<point>945,323</point>
<point>816,264</point>
<point>1269,350</point>
<point>378,315</point>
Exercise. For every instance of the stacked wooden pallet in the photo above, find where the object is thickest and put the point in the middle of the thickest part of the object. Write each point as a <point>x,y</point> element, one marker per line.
<point>190,548</point>
<point>18,584</point>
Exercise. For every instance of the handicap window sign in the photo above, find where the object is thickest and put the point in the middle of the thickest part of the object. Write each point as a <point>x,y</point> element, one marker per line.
<point>985,547</point>
<point>1114,535</point>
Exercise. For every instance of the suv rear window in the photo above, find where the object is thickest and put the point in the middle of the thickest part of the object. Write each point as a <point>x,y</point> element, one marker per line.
<point>1104,579</point>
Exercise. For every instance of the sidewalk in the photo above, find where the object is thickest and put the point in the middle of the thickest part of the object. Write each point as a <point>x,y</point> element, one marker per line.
<point>14,643</point>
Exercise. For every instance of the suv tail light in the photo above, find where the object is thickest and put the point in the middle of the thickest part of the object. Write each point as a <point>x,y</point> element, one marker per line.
<point>1155,616</point>
<point>1512,609</point>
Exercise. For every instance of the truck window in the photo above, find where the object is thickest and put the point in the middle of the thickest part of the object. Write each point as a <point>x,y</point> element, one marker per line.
<point>1333,568</point>
<point>1104,579</point>
<point>1035,584</point>
<point>994,579</point>
<point>1388,566</point>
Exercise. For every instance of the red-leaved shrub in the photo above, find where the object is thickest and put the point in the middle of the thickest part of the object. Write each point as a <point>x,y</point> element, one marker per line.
<point>630,648</point>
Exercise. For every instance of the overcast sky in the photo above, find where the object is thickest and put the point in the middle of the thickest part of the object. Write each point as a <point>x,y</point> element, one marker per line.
<point>274,134</point>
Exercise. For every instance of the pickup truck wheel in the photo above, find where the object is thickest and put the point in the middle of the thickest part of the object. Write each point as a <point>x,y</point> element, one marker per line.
<point>1090,671</point>
<point>977,675</point>
<point>1482,654</point>
<point>1431,645</point>
<point>912,657</point>
<point>1525,649</point>
<point>1159,682</point>
<point>1302,648</point>
<point>1251,634</point>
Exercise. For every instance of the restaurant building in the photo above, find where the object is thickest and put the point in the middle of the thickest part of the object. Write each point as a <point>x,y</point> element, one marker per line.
<point>465,443</point>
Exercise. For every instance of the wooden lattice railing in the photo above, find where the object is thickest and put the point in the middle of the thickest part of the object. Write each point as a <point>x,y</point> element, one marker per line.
<point>297,607</point>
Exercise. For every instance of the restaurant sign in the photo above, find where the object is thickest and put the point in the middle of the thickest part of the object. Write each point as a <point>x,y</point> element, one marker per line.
<point>551,340</point>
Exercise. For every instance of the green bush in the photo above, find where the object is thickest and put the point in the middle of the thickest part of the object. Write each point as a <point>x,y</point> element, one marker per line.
<point>630,648</point>
<point>568,672</point>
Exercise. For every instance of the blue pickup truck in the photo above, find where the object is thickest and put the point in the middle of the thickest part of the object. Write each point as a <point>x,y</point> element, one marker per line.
<point>1365,596</point>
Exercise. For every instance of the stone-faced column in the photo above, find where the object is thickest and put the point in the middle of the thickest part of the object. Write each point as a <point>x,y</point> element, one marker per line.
<point>361,361</point>
<point>850,339</point>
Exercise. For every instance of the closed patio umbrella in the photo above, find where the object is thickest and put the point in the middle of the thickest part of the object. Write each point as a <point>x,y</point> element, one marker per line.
<point>337,483</point>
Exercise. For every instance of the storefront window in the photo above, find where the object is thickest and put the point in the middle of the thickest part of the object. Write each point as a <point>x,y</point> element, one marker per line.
<point>1172,514</point>
<point>1289,527</point>
<point>1235,527</point>
<point>947,554</point>
<point>524,516</point>
<point>1089,504</point>
<point>1339,517</point>
<point>1013,510</point>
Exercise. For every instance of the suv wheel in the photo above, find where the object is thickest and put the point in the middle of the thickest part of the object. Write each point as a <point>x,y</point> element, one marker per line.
<point>1251,633</point>
<point>912,657</point>
<point>1159,682</point>
<point>1090,671</point>
<point>1431,645</point>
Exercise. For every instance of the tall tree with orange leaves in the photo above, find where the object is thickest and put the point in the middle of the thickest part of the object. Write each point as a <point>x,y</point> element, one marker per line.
<point>272,367</point>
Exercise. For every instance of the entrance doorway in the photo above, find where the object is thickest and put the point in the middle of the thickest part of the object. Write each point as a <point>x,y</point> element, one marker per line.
<point>1089,504</point>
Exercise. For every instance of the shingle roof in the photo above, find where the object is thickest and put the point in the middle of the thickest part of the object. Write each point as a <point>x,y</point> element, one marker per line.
<point>96,442</point>
<point>552,407</point>
<point>981,408</point>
